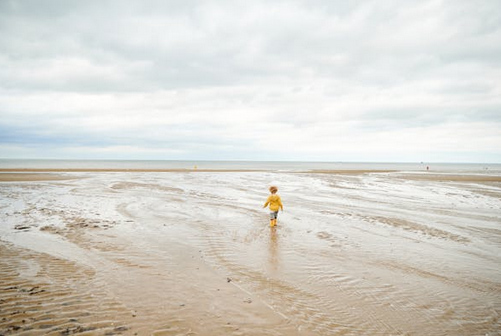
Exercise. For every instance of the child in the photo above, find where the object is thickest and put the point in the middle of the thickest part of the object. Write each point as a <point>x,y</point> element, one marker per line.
<point>275,203</point>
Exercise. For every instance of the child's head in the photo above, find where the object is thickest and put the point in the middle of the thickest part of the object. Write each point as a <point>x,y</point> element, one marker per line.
<point>273,189</point>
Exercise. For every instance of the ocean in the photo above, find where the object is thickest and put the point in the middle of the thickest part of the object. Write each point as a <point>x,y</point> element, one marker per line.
<point>476,168</point>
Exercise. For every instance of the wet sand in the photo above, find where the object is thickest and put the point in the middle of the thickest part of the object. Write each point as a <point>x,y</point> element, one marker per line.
<point>177,253</point>
<point>18,171</point>
<point>18,177</point>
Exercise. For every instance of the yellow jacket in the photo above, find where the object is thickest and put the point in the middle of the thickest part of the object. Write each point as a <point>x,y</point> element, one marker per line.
<point>275,203</point>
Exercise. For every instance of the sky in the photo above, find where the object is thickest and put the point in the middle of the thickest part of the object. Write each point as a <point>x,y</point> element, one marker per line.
<point>316,80</point>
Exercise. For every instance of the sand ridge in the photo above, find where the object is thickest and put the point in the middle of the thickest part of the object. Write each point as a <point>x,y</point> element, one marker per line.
<point>27,177</point>
<point>41,294</point>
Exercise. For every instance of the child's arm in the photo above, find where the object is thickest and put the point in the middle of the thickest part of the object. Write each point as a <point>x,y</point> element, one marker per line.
<point>280,203</point>
<point>267,202</point>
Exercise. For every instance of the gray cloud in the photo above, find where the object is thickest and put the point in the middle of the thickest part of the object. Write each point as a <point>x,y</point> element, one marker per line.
<point>225,76</point>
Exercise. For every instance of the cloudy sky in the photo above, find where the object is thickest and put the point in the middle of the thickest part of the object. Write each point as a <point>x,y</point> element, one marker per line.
<point>322,80</point>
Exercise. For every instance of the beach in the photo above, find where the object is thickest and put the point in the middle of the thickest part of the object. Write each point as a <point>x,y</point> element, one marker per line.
<point>190,252</point>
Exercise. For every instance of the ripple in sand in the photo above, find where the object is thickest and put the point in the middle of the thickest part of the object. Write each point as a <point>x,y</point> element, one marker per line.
<point>59,298</point>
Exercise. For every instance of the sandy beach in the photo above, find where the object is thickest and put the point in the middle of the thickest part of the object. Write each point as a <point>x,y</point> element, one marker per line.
<point>181,252</point>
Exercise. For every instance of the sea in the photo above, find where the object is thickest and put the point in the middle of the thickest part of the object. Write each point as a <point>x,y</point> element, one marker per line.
<point>470,168</point>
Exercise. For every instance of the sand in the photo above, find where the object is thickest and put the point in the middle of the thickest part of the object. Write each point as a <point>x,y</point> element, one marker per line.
<point>191,253</point>
<point>12,177</point>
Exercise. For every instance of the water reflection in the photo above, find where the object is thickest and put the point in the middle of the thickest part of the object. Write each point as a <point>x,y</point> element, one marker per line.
<point>273,249</point>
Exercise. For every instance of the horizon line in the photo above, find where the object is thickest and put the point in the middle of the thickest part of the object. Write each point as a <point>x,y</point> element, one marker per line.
<point>248,160</point>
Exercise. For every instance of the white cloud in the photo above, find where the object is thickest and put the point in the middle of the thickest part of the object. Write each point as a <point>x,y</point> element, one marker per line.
<point>322,80</point>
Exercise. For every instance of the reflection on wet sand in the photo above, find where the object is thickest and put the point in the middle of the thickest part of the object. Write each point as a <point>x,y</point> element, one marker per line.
<point>273,249</point>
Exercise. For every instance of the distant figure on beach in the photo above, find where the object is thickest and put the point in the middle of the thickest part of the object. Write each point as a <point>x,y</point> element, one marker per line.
<point>275,203</point>
<point>427,168</point>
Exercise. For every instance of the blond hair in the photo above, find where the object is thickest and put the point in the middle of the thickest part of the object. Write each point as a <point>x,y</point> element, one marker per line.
<point>273,189</point>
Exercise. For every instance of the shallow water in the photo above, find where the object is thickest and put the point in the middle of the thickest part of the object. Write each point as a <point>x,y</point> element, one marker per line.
<point>192,253</point>
<point>279,166</point>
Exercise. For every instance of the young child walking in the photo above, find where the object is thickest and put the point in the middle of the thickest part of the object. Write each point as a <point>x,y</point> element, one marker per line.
<point>275,203</point>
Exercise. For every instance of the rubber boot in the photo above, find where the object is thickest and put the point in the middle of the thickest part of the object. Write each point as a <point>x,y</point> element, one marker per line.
<point>272,222</point>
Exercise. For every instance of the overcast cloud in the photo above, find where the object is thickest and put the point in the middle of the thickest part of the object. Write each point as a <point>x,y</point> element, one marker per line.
<point>258,80</point>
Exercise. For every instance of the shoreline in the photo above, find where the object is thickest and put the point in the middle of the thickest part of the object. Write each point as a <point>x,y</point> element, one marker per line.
<point>167,170</point>
<point>122,170</point>
<point>55,174</point>
<point>32,177</point>
<point>27,175</point>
